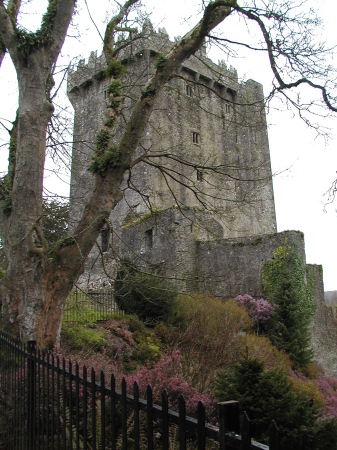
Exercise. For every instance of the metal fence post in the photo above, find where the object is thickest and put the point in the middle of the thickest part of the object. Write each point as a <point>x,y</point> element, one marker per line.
<point>229,420</point>
<point>31,393</point>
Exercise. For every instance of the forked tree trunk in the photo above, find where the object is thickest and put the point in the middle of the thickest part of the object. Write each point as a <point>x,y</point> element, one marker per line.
<point>37,282</point>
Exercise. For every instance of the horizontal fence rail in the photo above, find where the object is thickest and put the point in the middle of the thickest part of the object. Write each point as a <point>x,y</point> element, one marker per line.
<point>50,404</point>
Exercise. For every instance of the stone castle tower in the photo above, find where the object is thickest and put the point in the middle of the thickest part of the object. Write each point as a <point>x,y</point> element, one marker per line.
<point>198,206</point>
<point>203,160</point>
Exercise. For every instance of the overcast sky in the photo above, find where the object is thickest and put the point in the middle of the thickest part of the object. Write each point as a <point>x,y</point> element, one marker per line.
<point>306,164</point>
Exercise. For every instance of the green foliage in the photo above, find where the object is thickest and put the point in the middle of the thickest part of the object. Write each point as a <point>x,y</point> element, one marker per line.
<point>28,41</point>
<point>7,205</point>
<point>266,396</point>
<point>143,294</point>
<point>160,62</point>
<point>324,435</point>
<point>115,69</point>
<point>284,285</point>
<point>102,141</point>
<point>149,92</point>
<point>55,220</point>
<point>115,103</point>
<point>110,122</point>
<point>7,181</point>
<point>101,163</point>
<point>115,88</point>
<point>78,337</point>
<point>206,330</point>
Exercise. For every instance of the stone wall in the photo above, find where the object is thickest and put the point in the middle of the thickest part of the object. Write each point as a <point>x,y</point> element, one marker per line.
<point>323,328</point>
<point>207,130</point>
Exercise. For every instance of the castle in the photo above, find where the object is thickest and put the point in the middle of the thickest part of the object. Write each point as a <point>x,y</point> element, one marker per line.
<point>198,203</point>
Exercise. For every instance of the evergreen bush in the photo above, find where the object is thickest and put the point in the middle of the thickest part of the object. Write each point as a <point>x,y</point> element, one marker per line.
<point>266,396</point>
<point>148,296</point>
<point>289,289</point>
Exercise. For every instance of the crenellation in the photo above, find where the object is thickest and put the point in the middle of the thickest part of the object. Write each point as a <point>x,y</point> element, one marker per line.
<point>203,117</point>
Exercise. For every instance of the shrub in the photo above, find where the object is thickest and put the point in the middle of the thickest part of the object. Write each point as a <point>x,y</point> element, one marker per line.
<point>167,374</point>
<point>77,336</point>
<point>284,284</point>
<point>266,396</point>
<point>206,330</point>
<point>149,297</point>
<point>261,349</point>
<point>260,311</point>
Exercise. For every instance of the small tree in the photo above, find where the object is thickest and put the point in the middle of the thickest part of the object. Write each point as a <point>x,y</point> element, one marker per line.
<point>266,396</point>
<point>290,290</point>
<point>148,296</point>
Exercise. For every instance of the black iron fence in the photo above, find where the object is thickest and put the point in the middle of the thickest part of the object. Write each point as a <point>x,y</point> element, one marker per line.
<point>89,306</point>
<point>49,404</point>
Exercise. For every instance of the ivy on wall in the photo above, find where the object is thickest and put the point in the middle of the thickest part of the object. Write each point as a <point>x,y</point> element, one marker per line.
<point>289,286</point>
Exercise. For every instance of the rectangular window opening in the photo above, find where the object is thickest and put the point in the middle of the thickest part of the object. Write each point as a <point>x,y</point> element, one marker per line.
<point>200,175</point>
<point>196,138</point>
<point>189,90</point>
<point>149,238</point>
<point>105,240</point>
<point>227,108</point>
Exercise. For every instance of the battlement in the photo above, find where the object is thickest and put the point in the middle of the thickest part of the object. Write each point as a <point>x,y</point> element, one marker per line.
<point>151,43</point>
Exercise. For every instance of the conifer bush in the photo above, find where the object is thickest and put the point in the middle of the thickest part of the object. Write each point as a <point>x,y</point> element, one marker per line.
<point>289,289</point>
<point>148,296</point>
<point>266,396</point>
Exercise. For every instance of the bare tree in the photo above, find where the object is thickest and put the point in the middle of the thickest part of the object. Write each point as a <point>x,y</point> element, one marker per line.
<point>37,282</point>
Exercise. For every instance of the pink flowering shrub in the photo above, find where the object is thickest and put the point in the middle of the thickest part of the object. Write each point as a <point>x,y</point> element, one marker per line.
<point>328,388</point>
<point>322,390</point>
<point>167,374</point>
<point>260,311</point>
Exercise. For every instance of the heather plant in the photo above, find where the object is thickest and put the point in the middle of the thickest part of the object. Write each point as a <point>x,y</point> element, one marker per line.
<point>260,311</point>
<point>206,331</point>
<point>167,373</point>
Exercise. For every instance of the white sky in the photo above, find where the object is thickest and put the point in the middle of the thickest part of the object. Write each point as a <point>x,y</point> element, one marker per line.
<point>311,163</point>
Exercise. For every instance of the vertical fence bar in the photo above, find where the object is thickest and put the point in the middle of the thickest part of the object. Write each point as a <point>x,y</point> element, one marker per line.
<point>102,411</point>
<point>58,406</point>
<point>70,385</point>
<point>43,368</point>
<point>136,414</point>
<point>31,394</point>
<point>124,416</point>
<point>48,400</point>
<point>165,420</point>
<point>113,412</point>
<point>93,408</point>
<point>149,404</point>
<point>85,409</point>
<point>16,394</point>
<point>52,412</point>
<point>273,440</point>
<point>77,393</point>
<point>182,423</point>
<point>22,363</point>
<point>64,405</point>
<point>201,418</point>
<point>245,433</point>
<point>39,399</point>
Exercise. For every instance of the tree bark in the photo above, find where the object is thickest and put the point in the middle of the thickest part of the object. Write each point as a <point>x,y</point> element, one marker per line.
<point>38,280</point>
